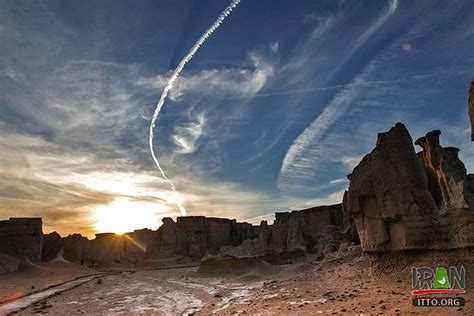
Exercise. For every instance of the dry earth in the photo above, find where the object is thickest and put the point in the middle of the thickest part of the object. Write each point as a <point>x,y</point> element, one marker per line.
<point>339,284</point>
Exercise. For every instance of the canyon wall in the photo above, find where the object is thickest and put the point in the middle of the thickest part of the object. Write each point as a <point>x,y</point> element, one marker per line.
<point>193,236</point>
<point>301,230</point>
<point>21,238</point>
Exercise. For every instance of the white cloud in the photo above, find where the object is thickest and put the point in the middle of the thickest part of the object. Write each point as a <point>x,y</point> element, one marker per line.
<point>187,135</point>
<point>337,181</point>
<point>274,47</point>
<point>220,82</point>
<point>301,160</point>
<point>350,162</point>
<point>332,198</point>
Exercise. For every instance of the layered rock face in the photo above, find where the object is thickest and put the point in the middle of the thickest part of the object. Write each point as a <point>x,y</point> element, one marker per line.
<point>471,108</point>
<point>302,230</point>
<point>193,236</point>
<point>293,234</point>
<point>21,238</point>
<point>109,247</point>
<point>447,178</point>
<point>52,245</point>
<point>400,200</point>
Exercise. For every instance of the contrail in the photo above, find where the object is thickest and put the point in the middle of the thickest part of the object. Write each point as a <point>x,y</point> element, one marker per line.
<point>171,81</point>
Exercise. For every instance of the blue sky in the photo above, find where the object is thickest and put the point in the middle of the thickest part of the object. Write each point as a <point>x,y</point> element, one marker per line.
<point>272,113</point>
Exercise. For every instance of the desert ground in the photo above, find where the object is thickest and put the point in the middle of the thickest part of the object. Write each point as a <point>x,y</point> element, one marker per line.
<point>345,282</point>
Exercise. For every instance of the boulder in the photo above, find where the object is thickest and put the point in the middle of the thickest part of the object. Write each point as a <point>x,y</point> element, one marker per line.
<point>399,200</point>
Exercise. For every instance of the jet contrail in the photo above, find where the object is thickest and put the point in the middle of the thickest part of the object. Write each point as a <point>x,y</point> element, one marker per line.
<point>171,81</point>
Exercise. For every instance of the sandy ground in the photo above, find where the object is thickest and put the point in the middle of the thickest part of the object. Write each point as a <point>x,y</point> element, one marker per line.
<point>33,278</point>
<point>339,284</point>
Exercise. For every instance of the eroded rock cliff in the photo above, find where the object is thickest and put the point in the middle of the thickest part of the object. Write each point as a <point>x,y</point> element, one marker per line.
<point>21,238</point>
<point>400,200</point>
<point>193,236</point>
<point>302,230</point>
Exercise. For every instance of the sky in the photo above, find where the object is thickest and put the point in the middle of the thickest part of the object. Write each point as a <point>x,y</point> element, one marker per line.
<point>272,112</point>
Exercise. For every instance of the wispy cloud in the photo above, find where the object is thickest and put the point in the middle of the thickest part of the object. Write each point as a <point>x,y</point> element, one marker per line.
<point>300,159</point>
<point>337,181</point>
<point>299,162</point>
<point>187,135</point>
<point>218,82</point>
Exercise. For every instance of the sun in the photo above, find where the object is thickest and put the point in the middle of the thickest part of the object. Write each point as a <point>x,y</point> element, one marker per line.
<point>123,215</point>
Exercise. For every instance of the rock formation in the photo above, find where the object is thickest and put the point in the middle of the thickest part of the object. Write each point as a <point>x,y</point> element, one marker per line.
<point>21,238</point>
<point>471,108</point>
<point>399,200</point>
<point>52,245</point>
<point>193,236</point>
<point>447,178</point>
<point>293,234</point>
<point>302,231</point>
<point>76,248</point>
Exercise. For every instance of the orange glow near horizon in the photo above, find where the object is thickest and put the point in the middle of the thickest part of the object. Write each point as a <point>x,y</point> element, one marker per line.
<point>123,215</point>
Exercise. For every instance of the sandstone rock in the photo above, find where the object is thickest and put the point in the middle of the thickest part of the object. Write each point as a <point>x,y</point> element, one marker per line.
<point>301,231</point>
<point>75,249</point>
<point>139,243</point>
<point>106,248</point>
<point>193,236</point>
<point>21,238</point>
<point>394,197</point>
<point>471,108</point>
<point>248,248</point>
<point>8,263</point>
<point>52,245</point>
<point>293,234</point>
<point>447,177</point>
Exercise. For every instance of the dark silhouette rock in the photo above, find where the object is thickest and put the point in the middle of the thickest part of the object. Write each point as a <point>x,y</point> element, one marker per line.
<point>21,238</point>
<point>401,202</point>
<point>52,245</point>
<point>75,248</point>
<point>194,236</point>
<point>8,263</point>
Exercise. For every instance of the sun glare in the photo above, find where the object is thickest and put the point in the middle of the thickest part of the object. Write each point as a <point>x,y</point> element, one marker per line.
<point>123,215</point>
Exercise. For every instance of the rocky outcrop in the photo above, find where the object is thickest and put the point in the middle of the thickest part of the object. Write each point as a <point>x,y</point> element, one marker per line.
<point>447,178</point>
<point>21,238</point>
<point>293,234</point>
<point>194,236</point>
<point>52,245</point>
<point>471,108</point>
<point>301,231</point>
<point>76,248</point>
<point>399,200</point>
